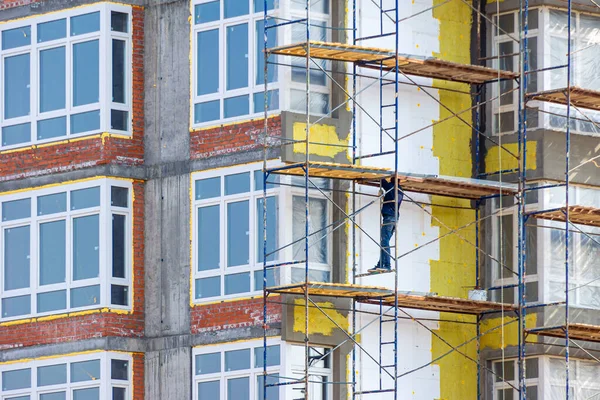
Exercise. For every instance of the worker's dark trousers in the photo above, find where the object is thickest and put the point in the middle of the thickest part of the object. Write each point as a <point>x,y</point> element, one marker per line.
<point>388,227</point>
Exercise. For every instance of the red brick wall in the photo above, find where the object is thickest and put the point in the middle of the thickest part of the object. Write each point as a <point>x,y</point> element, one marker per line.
<point>97,324</point>
<point>6,4</point>
<point>233,138</point>
<point>138,376</point>
<point>233,314</point>
<point>68,156</point>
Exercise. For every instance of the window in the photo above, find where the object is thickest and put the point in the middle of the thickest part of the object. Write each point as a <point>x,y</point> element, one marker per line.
<point>90,377</point>
<point>235,371</point>
<point>505,262</point>
<point>319,371</point>
<point>56,256</point>
<point>54,83</point>
<point>583,379</point>
<point>228,232</point>
<point>319,96</point>
<point>506,118</point>
<point>507,373</point>
<point>228,62</point>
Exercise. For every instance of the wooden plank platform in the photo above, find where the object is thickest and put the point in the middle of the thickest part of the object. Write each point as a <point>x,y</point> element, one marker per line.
<point>373,295</point>
<point>471,189</point>
<point>372,57</point>
<point>581,98</point>
<point>589,216</point>
<point>589,333</point>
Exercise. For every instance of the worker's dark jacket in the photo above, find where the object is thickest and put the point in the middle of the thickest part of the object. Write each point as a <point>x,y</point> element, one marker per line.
<point>388,201</point>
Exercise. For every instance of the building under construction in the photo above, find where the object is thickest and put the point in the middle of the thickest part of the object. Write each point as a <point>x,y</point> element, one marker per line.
<point>191,199</point>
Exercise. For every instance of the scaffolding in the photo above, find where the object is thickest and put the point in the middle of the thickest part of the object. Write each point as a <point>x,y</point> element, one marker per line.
<point>391,70</point>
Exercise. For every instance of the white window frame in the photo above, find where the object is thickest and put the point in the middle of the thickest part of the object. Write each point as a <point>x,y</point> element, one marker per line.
<point>554,198</point>
<point>505,38</point>
<point>529,382</point>
<point>295,369</point>
<point>296,14</point>
<point>105,383</point>
<point>104,36</point>
<point>251,19</point>
<point>105,279</point>
<point>284,235</point>
<point>253,372</point>
<point>574,383</point>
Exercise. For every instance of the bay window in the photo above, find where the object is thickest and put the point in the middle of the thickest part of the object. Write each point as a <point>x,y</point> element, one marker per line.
<point>66,74</point>
<point>65,248</point>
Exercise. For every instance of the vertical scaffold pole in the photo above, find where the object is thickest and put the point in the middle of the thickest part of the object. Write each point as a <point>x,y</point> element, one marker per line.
<point>354,34</point>
<point>307,207</point>
<point>396,160</point>
<point>567,163</point>
<point>265,176</point>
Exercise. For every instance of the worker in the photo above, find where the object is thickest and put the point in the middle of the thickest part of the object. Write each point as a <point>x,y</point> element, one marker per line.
<point>388,225</point>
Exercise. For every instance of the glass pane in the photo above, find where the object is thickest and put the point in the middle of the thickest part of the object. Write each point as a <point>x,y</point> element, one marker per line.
<point>85,198</point>
<point>15,306</point>
<point>237,55</point>
<point>320,6</point>
<point>259,178</point>
<point>52,79</point>
<point>505,246</point>
<point>273,356</point>
<point>86,74</point>
<point>504,371</point>
<point>531,368</point>
<point>16,86</point>
<point>272,224</point>
<point>272,101</point>
<point>119,196</point>
<point>52,203</point>
<point>206,112</point>
<point>53,244</point>
<point>86,242</point>
<point>52,301</point>
<point>119,369</point>
<point>85,23</point>
<point>16,209</point>
<point>17,379</point>
<point>208,363</point>
<point>238,389</point>
<point>237,183</point>
<point>209,390</point>
<point>318,33</point>
<point>259,6</point>
<point>507,64</point>
<point>272,278</point>
<point>119,120</point>
<point>19,398</point>
<point>208,188</point>
<point>235,8</point>
<point>53,396</point>
<point>209,234</point>
<point>504,123</point>
<point>238,231</point>
<point>119,22</point>
<point>207,77</point>
<point>236,106</point>
<point>505,394</point>
<point>533,64</point>
<point>260,59</point>
<point>52,30</point>
<point>16,134</point>
<point>86,394</point>
<point>85,371</point>
<point>208,287</point>
<point>16,37</point>
<point>52,375</point>
<point>237,359</point>
<point>237,283</point>
<point>314,275</point>
<point>317,220</point>
<point>319,102</point>
<point>118,246</point>
<point>273,391</point>
<point>16,258</point>
<point>85,122</point>
<point>506,23</point>
<point>207,12</point>
<point>118,71</point>
<point>51,128</point>
<point>85,296</point>
<point>119,393</point>
<point>119,295</point>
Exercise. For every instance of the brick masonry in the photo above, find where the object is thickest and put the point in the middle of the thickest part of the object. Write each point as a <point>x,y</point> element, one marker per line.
<point>233,314</point>
<point>99,324</point>
<point>81,153</point>
<point>138,376</point>
<point>228,139</point>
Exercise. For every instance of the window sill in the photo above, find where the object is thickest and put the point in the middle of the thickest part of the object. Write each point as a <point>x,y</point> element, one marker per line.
<point>49,316</point>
